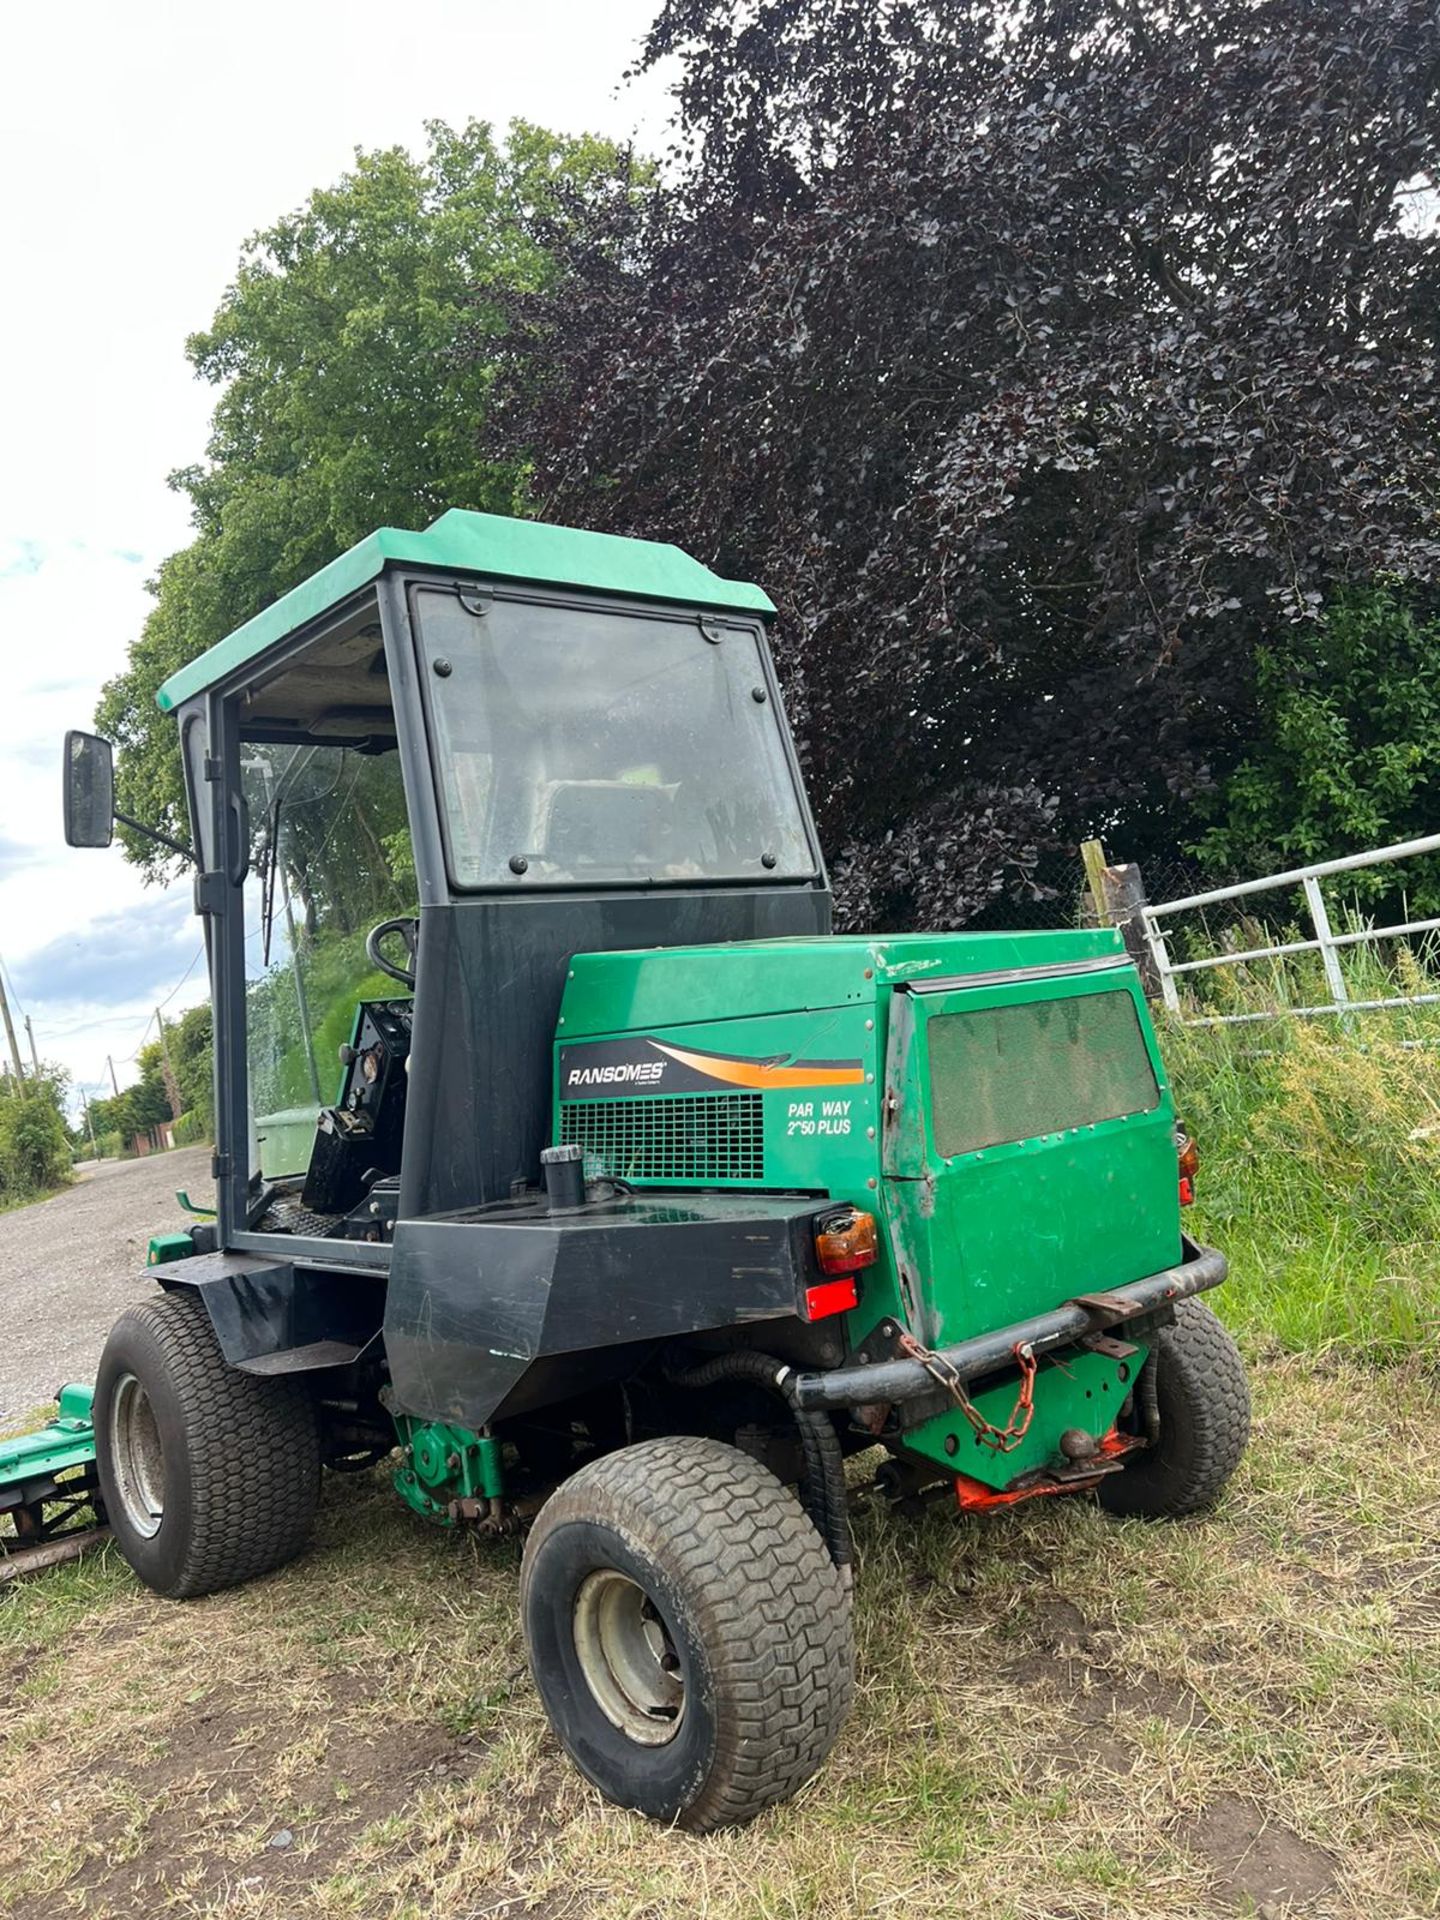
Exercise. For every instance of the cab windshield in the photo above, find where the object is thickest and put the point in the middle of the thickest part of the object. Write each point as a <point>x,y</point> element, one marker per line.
<point>580,745</point>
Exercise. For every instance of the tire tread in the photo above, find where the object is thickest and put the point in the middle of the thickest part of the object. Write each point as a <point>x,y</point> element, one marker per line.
<point>253,1447</point>
<point>770,1605</point>
<point>1200,1365</point>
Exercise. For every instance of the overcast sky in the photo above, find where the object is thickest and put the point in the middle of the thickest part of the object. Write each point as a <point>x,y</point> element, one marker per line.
<point>143,143</point>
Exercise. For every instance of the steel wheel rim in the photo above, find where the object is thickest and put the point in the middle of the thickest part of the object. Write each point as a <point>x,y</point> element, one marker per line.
<point>137,1457</point>
<point>628,1658</point>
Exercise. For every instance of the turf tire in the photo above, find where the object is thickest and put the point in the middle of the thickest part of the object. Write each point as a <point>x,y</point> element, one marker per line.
<point>754,1608</point>
<point>1204,1401</point>
<point>241,1455</point>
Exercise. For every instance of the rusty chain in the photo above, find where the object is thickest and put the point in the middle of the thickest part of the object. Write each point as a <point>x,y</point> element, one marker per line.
<point>999,1439</point>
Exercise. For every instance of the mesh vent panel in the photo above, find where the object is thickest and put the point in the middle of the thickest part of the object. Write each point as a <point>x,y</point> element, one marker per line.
<point>1010,1073</point>
<point>706,1136</point>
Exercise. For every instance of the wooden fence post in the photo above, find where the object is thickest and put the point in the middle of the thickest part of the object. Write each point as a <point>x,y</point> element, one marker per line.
<point>1092,852</point>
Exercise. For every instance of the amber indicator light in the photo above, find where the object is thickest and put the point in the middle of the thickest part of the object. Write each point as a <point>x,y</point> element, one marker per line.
<point>846,1241</point>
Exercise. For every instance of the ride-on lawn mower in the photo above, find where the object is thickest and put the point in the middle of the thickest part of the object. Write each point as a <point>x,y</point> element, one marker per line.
<point>642,1200</point>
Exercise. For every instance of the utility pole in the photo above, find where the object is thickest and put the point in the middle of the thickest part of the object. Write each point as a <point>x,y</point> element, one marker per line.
<point>34,1056</point>
<point>113,1081</point>
<point>90,1125</point>
<point>10,1033</point>
<point>172,1085</point>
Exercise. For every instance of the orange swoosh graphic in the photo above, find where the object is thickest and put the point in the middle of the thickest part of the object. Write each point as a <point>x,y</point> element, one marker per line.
<point>757,1073</point>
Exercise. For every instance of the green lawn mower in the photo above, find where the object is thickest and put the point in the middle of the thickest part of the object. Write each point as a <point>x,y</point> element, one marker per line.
<point>640,1201</point>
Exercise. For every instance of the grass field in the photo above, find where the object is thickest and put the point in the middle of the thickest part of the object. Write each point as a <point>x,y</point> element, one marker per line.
<point>1058,1716</point>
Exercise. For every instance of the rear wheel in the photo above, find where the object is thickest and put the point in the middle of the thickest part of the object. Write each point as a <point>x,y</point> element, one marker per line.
<point>1203,1400</point>
<point>209,1476</point>
<point>688,1632</point>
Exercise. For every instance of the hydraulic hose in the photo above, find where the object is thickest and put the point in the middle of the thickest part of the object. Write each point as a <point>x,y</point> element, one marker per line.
<point>822,1491</point>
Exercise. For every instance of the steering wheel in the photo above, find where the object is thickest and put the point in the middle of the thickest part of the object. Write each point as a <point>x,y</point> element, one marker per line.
<point>409,932</point>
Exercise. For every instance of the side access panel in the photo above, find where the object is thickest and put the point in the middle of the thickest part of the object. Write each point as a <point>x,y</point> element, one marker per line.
<point>271,1317</point>
<point>487,1317</point>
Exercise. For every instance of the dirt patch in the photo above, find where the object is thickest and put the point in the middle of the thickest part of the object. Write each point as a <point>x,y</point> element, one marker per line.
<point>238,1804</point>
<point>1147,1696</point>
<point>1093,1710</point>
<point>1058,1625</point>
<point>1255,1860</point>
<point>17,1669</point>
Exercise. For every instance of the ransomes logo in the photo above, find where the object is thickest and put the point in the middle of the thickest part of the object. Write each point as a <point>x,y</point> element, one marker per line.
<point>592,1069</point>
<point>632,1072</point>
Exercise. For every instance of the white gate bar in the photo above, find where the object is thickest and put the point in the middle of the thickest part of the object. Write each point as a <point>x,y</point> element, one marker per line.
<point>1303,946</point>
<point>1315,900</point>
<point>1402,850</point>
<point>1160,956</point>
<point>1385,933</point>
<point>1254,953</point>
<point>1305,1013</point>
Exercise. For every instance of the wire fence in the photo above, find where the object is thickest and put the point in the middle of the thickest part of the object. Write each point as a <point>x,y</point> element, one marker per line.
<point>1060,898</point>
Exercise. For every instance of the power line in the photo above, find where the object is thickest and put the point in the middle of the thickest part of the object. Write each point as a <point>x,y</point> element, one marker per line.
<point>108,1019</point>
<point>199,956</point>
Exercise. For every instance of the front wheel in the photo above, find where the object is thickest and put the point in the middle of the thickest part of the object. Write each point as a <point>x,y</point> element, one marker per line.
<point>688,1632</point>
<point>210,1476</point>
<point>1203,1401</point>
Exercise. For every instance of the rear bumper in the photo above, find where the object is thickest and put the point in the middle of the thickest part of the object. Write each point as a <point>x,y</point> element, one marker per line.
<point>891,1381</point>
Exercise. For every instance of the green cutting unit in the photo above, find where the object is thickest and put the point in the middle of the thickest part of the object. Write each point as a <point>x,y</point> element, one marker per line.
<point>50,1507</point>
<point>561,1147</point>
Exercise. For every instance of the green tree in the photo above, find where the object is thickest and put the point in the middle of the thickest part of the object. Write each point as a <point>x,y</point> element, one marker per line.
<point>192,1050</point>
<point>150,1100</point>
<point>1043,361</point>
<point>1347,750</point>
<point>34,1140</point>
<point>355,370</point>
<point>136,1108</point>
<point>115,1115</point>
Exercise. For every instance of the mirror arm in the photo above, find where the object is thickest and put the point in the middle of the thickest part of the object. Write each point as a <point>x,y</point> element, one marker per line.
<point>154,833</point>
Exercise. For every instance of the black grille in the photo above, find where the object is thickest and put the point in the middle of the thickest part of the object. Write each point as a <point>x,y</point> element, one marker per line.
<point>705,1136</point>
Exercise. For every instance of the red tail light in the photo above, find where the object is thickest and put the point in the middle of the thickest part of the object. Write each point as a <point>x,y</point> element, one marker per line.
<point>832,1296</point>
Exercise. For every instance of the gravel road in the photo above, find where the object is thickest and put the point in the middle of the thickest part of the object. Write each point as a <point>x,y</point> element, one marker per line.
<point>69,1265</point>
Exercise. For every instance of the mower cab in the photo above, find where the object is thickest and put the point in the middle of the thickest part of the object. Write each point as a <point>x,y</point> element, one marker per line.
<point>559,1141</point>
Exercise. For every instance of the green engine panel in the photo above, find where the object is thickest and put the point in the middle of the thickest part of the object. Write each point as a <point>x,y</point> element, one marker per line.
<point>912,1076</point>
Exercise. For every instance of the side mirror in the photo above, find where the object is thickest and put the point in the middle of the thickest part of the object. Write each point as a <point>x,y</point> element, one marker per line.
<point>89,790</point>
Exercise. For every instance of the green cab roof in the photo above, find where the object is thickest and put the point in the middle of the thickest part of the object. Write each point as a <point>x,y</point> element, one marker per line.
<point>480,543</point>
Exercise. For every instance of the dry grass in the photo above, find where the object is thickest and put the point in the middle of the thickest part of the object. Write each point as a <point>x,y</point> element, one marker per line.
<point>1058,1716</point>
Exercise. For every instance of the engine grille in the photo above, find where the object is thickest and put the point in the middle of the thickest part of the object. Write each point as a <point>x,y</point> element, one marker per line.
<point>706,1136</point>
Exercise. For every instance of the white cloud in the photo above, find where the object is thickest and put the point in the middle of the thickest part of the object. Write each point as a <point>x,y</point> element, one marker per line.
<point>145,143</point>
